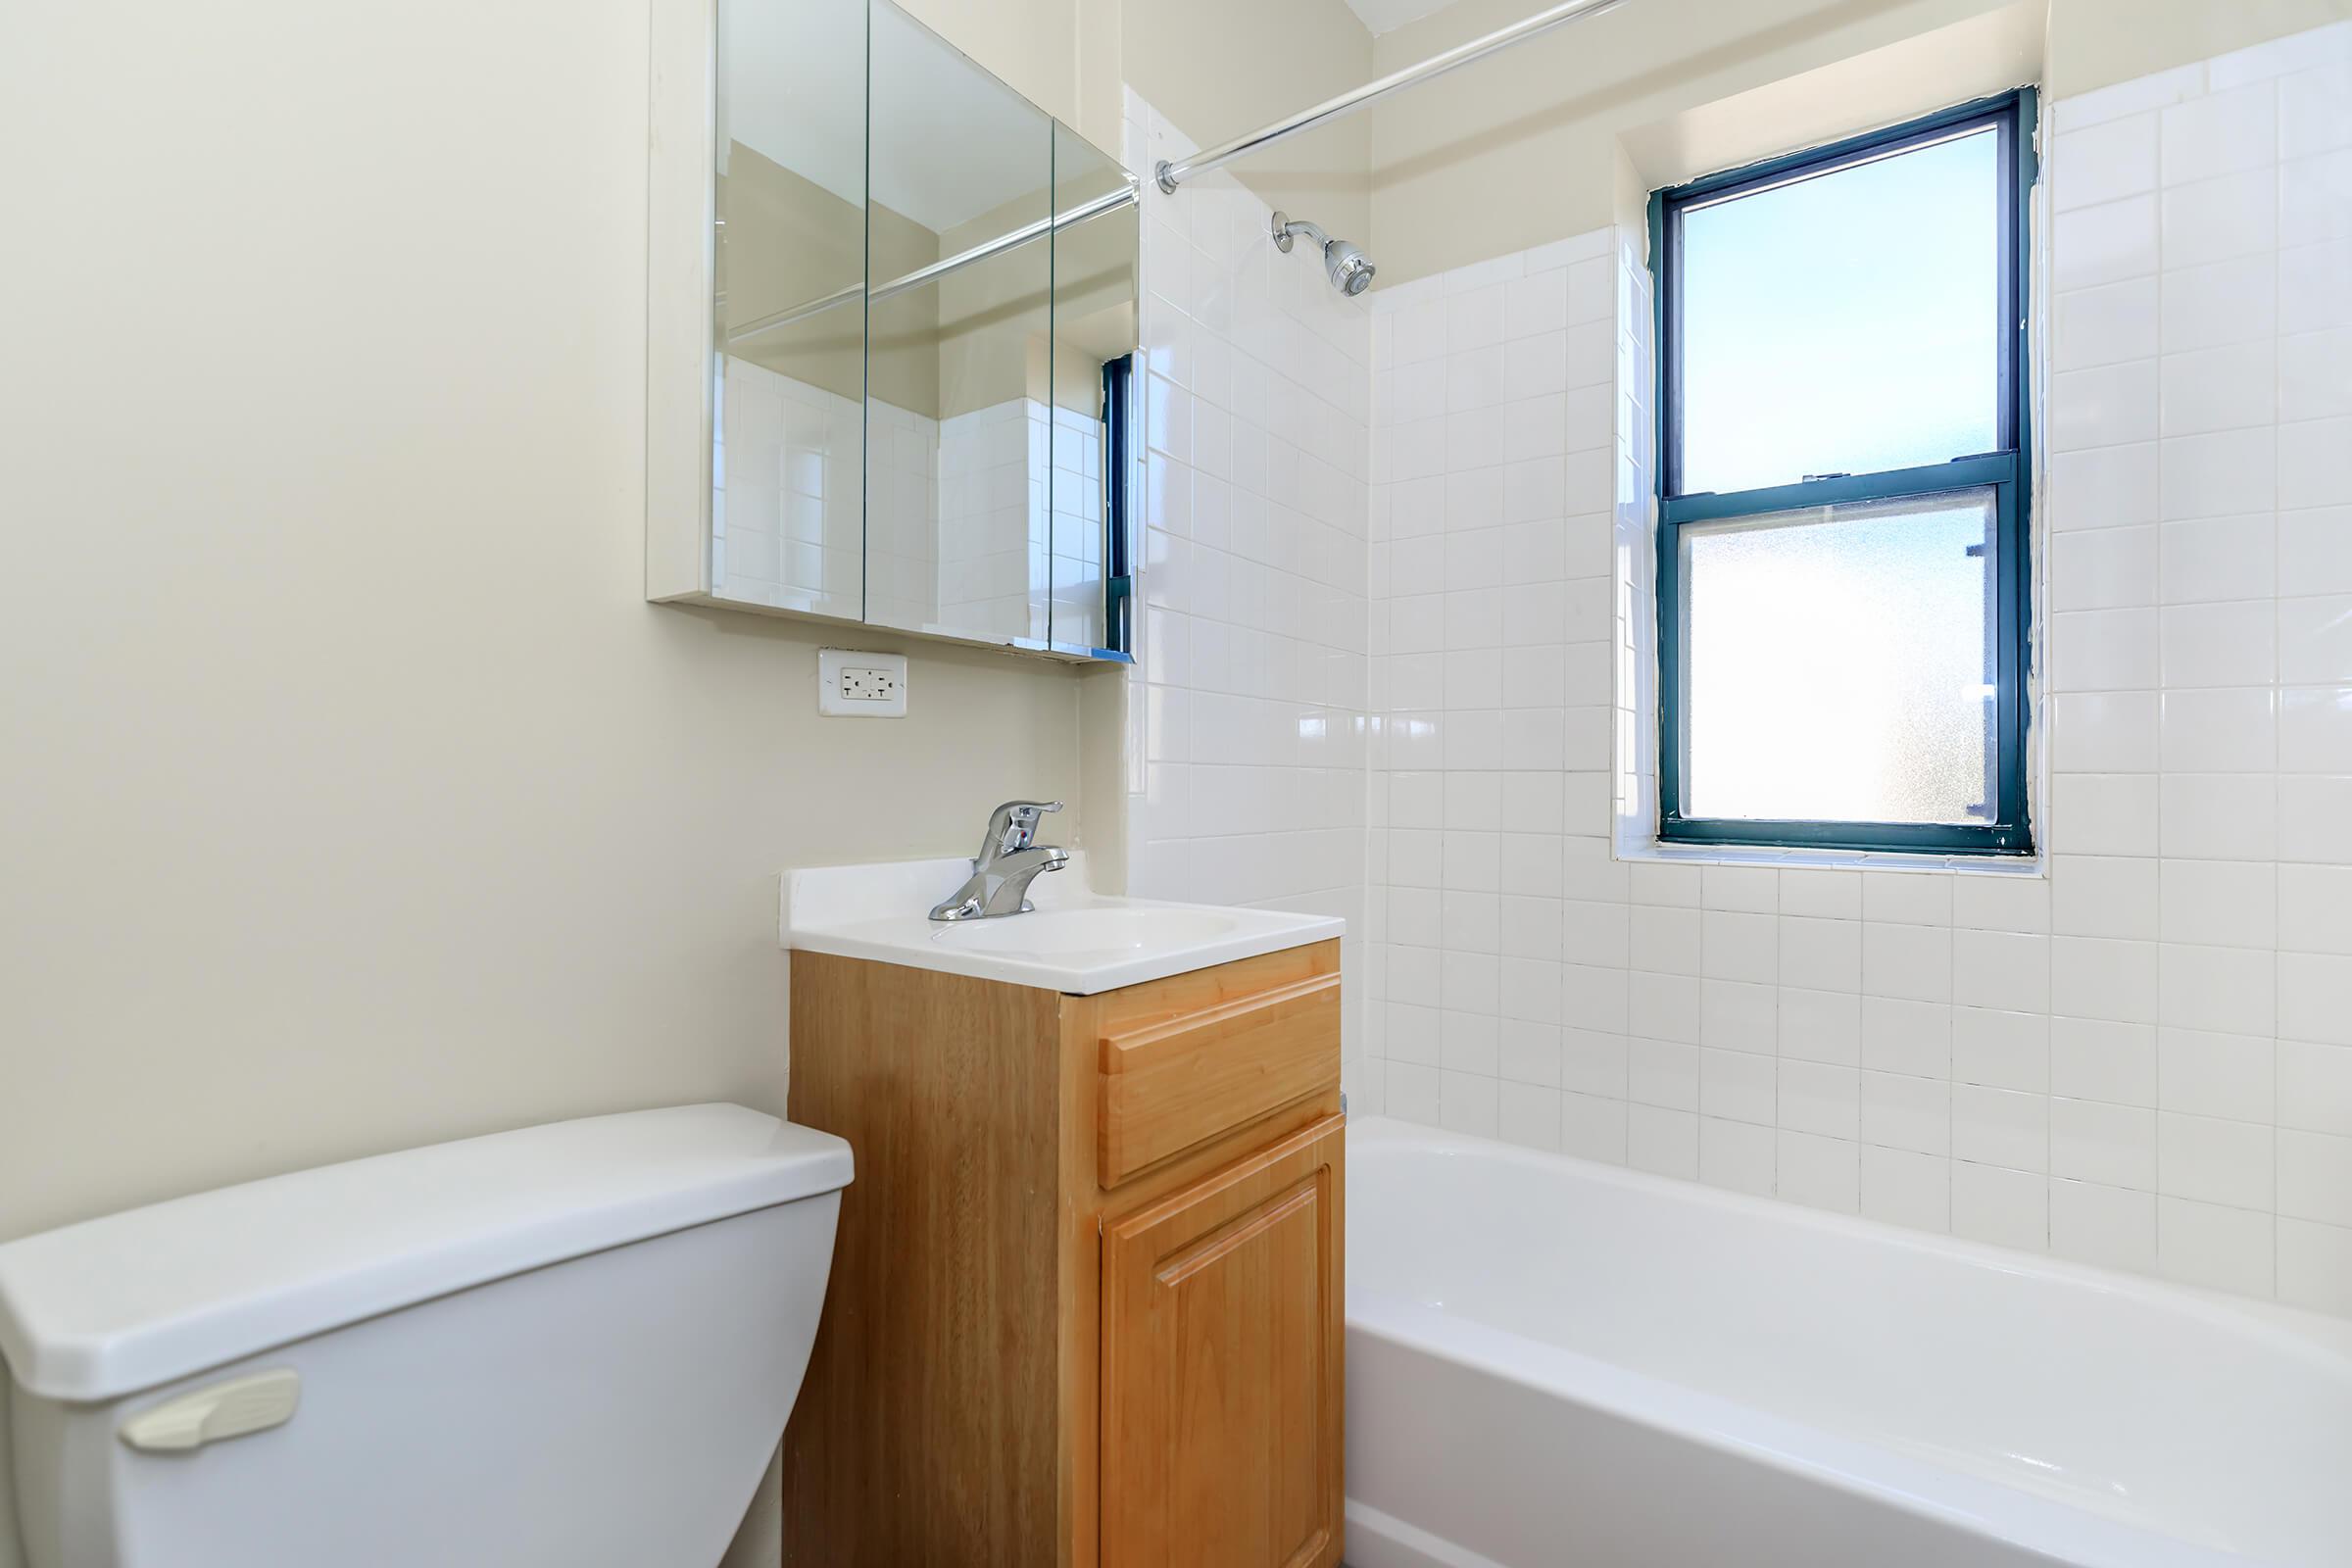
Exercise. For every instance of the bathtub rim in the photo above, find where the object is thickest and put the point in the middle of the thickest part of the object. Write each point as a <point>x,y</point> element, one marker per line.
<point>2307,1334</point>
<point>1887,1478</point>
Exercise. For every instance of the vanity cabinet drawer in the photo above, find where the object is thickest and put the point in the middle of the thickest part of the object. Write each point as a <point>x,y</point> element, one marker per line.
<point>1171,1082</point>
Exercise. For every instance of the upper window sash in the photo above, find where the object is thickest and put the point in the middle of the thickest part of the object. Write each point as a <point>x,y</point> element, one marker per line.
<point>2009,117</point>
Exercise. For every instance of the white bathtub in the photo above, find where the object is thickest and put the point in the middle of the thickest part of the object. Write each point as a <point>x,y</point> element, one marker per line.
<point>1555,1362</point>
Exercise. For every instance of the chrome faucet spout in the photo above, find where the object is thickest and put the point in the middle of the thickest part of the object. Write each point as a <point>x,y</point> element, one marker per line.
<point>1010,859</point>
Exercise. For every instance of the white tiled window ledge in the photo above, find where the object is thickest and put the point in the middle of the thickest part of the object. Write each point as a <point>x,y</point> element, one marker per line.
<point>1798,857</point>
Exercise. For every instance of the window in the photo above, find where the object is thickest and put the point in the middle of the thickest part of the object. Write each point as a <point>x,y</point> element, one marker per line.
<point>1843,486</point>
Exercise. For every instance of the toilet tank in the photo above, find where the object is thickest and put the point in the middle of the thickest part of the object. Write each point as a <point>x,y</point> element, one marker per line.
<point>571,1345</point>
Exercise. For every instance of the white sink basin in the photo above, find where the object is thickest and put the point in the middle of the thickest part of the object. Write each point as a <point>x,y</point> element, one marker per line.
<point>1075,939</point>
<point>1091,933</point>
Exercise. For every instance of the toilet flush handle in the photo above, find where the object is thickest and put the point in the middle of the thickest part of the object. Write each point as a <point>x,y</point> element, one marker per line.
<point>229,1410</point>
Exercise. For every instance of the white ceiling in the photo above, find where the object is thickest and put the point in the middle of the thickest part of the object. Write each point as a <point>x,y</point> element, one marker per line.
<point>1386,16</point>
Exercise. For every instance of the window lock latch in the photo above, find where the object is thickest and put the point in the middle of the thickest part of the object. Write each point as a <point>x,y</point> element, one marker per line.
<point>1808,478</point>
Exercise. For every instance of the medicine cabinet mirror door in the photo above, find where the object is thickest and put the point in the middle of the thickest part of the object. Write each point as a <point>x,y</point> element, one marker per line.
<point>789,261</point>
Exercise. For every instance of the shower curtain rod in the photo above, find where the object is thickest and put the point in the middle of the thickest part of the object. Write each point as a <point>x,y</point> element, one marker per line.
<point>1110,201</point>
<point>1172,174</point>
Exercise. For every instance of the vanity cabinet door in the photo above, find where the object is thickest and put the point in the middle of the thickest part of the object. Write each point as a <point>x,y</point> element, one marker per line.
<point>1222,1354</point>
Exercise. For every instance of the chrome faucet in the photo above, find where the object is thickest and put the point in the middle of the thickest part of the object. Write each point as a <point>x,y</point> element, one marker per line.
<point>1010,859</point>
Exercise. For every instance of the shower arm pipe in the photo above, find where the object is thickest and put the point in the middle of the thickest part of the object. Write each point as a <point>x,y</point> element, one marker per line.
<point>1109,202</point>
<point>1174,173</point>
<point>1285,226</point>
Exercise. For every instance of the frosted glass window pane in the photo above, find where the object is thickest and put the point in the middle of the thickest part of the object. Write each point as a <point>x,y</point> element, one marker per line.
<point>1837,666</point>
<point>1843,324</point>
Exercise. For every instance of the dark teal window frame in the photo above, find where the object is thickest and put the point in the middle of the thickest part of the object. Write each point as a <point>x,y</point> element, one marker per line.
<point>2007,471</point>
<point>1118,570</point>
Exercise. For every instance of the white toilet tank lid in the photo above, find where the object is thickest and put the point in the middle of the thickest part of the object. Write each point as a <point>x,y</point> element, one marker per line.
<point>107,1307</point>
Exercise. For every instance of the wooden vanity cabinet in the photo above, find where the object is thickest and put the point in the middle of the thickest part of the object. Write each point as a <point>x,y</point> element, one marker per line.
<point>1085,1303</point>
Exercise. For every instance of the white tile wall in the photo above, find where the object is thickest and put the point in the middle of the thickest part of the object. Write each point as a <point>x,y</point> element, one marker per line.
<point>1251,686</point>
<point>2196,495</point>
<point>1504,938</point>
<point>2143,1060</point>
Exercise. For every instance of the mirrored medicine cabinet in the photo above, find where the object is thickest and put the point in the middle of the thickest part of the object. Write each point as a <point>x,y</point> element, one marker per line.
<point>892,320</point>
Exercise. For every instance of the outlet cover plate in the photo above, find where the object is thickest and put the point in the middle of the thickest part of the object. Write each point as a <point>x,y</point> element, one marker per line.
<point>852,684</point>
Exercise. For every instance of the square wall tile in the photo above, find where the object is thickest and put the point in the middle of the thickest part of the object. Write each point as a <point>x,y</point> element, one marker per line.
<point>1738,1155</point>
<point>2315,1266</point>
<point>2221,133</point>
<point>2211,219</point>
<point>2005,1208</point>
<point>2315,1177</point>
<point>2203,1073</point>
<point>2105,244</point>
<point>2106,326</point>
<point>2220,816</point>
<point>2223,302</point>
<point>2105,732</point>
<point>2112,1144</point>
<point>1819,1172</point>
<point>1900,1188</point>
<point>2105,568</point>
<point>1662,1141</point>
<point>2107,1227</point>
<point>2219,1247</point>
<point>2214,1161</point>
<point>2106,162</point>
<point>2115,1063</point>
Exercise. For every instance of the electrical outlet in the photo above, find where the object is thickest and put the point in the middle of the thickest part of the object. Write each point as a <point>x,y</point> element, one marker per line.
<point>853,684</point>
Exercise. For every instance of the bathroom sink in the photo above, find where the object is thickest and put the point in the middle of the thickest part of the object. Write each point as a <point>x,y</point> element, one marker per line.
<point>1075,939</point>
<point>1091,932</point>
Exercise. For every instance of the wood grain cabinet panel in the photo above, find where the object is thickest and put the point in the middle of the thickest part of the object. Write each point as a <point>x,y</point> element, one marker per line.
<point>1028,1360</point>
<point>1223,1356</point>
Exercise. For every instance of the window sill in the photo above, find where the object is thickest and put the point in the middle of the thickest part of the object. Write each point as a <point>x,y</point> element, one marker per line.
<point>1998,866</point>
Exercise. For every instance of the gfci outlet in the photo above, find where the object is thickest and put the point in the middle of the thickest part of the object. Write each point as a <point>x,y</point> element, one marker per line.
<point>858,685</point>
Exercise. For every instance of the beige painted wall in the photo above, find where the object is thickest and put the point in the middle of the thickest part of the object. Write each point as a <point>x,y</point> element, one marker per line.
<point>353,797</point>
<point>1522,148</point>
<point>1975,57</point>
<point>1223,67</point>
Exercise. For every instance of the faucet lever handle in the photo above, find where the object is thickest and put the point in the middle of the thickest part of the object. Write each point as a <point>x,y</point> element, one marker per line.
<point>1012,827</point>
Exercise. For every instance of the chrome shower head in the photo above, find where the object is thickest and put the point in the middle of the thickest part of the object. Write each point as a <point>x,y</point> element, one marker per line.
<point>1351,269</point>
<point>1347,266</point>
